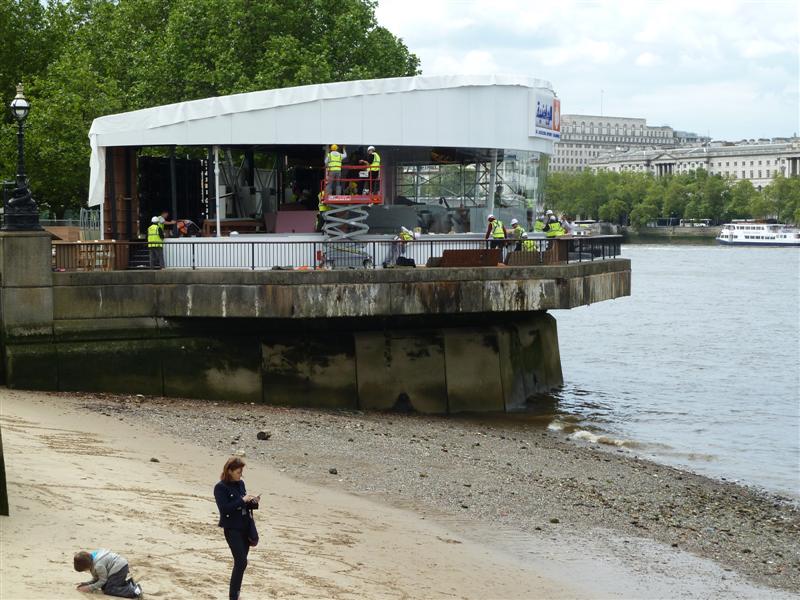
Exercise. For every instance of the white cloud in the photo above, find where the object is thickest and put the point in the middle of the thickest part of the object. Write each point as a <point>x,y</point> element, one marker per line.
<point>647,59</point>
<point>477,62</point>
<point>763,48</point>
<point>584,50</point>
<point>707,65</point>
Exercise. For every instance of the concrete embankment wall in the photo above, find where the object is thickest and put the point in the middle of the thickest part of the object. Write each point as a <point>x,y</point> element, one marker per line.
<point>478,364</point>
<point>694,235</point>
<point>439,340</point>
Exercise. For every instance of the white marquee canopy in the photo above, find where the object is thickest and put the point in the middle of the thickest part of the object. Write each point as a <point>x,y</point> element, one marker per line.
<point>464,111</point>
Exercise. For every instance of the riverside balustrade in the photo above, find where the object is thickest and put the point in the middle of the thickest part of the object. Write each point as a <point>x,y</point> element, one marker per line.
<point>199,253</point>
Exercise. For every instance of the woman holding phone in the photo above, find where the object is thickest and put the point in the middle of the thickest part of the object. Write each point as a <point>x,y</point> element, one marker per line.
<point>234,505</point>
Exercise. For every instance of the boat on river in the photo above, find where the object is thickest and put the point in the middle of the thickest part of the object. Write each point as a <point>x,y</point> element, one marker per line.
<point>750,233</point>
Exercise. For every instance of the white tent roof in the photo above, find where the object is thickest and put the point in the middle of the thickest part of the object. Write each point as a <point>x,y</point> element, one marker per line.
<point>465,111</point>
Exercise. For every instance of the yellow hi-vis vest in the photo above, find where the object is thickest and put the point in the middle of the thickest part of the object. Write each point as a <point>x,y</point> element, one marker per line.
<point>517,231</point>
<point>406,236</point>
<point>376,162</point>
<point>321,204</point>
<point>555,230</point>
<point>334,161</point>
<point>154,239</point>
<point>538,225</point>
<point>528,245</point>
<point>497,230</point>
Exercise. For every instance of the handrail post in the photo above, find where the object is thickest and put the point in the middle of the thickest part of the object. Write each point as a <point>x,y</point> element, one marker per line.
<point>194,261</point>
<point>252,256</point>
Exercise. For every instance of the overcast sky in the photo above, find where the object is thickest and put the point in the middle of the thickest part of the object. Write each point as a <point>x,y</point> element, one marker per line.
<point>725,68</point>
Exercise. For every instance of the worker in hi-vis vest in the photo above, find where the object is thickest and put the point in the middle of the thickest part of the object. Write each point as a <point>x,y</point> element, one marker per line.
<point>333,166</point>
<point>155,244</point>
<point>323,208</point>
<point>374,170</point>
<point>528,245</point>
<point>554,229</point>
<point>399,246</point>
<point>496,232</point>
<point>517,233</point>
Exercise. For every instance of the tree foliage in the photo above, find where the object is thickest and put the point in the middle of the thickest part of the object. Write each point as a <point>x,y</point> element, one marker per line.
<point>82,59</point>
<point>639,198</point>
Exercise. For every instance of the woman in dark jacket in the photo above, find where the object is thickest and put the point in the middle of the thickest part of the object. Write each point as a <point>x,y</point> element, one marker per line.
<point>234,505</point>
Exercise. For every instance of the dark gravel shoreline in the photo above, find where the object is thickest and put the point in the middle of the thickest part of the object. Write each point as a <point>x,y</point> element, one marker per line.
<point>495,472</point>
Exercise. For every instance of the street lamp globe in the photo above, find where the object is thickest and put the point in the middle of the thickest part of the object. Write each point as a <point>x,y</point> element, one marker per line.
<point>20,105</point>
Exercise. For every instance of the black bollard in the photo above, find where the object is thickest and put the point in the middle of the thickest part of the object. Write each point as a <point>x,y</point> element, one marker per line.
<point>3,487</point>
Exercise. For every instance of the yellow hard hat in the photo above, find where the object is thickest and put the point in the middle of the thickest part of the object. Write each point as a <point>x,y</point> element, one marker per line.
<point>334,147</point>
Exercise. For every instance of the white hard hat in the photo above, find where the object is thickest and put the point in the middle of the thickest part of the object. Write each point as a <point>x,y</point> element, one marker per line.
<point>154,220</point>
<point>514,221</point>
<point>371,148</point>
<point>549,212</point>
<point>490,217</point>
<point>161,219</point>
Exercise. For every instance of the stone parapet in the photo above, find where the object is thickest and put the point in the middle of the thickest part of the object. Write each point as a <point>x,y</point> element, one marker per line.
<point>336,294</point>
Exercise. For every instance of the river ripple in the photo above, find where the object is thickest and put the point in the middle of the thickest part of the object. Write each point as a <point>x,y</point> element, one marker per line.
<point>699,368</point>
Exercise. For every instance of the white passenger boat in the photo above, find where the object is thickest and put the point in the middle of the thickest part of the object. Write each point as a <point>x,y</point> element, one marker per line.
<point>750,233</point>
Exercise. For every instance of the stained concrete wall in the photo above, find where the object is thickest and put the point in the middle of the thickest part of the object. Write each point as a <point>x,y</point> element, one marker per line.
<point>26,309</point>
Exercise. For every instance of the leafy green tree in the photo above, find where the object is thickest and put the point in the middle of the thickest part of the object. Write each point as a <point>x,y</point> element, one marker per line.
<point>215,47</point>
<point>31,37</point>
<point>613,211</point>
<point>715,198</point>
<point>32,34</point>
<point>694,195</point>
<point>785,194</point>
<point>762,206</point>
<point>738,205</point>
<point>644,213</point>
<point>676,197</point>
<point>70,96</point>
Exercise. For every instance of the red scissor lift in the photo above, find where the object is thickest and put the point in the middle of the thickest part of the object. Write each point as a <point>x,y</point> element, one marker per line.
<point>348,198</point>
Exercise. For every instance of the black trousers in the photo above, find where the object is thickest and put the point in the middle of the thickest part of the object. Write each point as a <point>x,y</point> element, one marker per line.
<point>118,584</point>
<point>156,258</point>
<point>374,182</point>
<point>240,547</point>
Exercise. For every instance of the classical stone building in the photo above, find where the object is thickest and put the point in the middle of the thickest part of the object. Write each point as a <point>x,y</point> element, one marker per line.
<point>585,137</point>
<point>756,161</point>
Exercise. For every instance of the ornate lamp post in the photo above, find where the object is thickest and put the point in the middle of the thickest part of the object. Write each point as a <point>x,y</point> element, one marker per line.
<point>21,212</point>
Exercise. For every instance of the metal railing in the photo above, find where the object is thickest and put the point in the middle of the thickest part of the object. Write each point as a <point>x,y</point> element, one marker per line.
<point>100,256</point>
<point>197,253</point>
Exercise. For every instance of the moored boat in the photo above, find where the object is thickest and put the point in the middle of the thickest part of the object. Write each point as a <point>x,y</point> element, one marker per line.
<point>750,233</point>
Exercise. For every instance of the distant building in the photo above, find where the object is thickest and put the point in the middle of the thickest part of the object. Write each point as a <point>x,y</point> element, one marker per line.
<point>756,161</point>
<point>585,137</point>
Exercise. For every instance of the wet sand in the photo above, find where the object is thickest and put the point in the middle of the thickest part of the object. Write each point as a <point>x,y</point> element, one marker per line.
<point>418,507</point>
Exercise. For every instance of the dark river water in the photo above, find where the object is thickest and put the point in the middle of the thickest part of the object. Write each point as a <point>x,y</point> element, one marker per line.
<point>699,368</point>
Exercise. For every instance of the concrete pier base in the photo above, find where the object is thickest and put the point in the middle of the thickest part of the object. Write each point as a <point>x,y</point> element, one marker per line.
<point>446,368</point>
<point>433,340</point>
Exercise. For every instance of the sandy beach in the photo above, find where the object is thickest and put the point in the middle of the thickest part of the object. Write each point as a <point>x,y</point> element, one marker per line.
<point>417,507</point>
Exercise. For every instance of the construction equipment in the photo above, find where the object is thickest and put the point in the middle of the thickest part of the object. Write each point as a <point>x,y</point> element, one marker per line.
<point>346,218</point>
